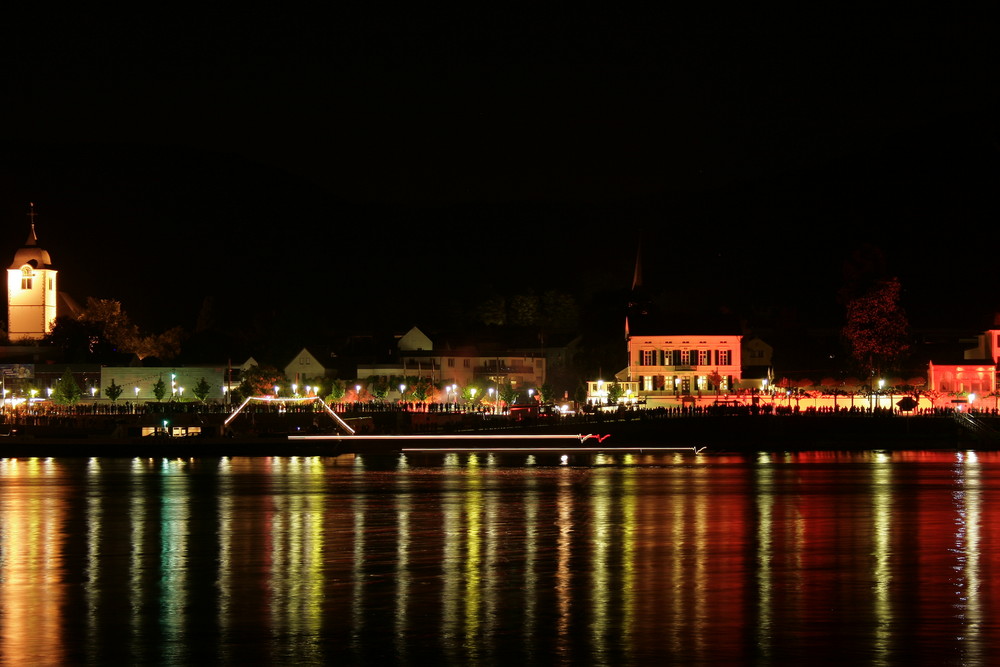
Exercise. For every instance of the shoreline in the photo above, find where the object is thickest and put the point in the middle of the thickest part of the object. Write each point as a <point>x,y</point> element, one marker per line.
<point>716,434</point>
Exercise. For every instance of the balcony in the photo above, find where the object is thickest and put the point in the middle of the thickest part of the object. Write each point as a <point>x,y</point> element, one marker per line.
<point>506,370</point>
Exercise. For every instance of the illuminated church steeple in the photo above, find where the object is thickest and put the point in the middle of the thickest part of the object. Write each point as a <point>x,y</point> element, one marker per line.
<point>31,290</point>
<point>640,304</point>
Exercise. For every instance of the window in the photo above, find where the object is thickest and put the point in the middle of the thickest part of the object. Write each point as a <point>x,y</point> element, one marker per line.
<point>26,277</point>
<point>725,357</point>
<point>466,363</point>
<point>685,357</point>
<point>648,358</point>
<point>451,362</point>
<point>704,357</point>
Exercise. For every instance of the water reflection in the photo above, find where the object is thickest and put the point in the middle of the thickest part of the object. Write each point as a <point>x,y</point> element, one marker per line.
<point>875,557</point>
<point>32,592</point>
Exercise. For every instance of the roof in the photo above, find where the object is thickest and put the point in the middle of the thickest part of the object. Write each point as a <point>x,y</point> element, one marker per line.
<point>31,254</point>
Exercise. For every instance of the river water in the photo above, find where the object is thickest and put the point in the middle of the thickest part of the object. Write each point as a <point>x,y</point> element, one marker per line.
<point>881,558</point>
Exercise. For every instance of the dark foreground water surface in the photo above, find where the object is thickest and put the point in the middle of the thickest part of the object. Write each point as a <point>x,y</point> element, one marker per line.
<point>809,558</point>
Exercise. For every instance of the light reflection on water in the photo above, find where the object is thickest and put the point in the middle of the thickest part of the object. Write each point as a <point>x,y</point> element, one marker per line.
<point>822,557</point>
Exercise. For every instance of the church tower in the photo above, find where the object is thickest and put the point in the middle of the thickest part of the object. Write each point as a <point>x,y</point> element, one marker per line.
<point>31,290</point>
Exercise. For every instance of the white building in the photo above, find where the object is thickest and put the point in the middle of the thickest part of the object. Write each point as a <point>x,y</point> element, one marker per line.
<point>31,291</point>
<point>684,364</point>
<point>522,368</point>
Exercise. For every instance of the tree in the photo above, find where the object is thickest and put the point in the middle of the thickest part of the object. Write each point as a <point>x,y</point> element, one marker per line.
<point>378,386</point>
<point>716,379</point>
<point>166,345</point>
<point>492,311</point>
<point>338,389</point>
<point>615,391</point>
<point>159,389</point>
<point>523,310</point>
<point>80,341</point>
<point>67,391</point>
<point>260,380</point>
<point>507,393</point>
<point>876,332</point>
<point>202,389</point>
<point>113,390</point>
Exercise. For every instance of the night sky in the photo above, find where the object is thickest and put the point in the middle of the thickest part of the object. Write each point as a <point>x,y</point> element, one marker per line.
<point>362,167</point>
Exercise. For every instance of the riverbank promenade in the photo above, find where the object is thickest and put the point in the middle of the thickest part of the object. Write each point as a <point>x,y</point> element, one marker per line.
<point>192,429</point>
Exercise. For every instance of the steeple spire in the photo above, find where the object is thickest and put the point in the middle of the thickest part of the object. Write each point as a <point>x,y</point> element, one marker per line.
<point>32,237</point>
<point>637,276</point>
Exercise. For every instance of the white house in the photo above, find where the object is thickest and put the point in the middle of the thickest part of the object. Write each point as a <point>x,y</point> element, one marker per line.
<point>684,364</point>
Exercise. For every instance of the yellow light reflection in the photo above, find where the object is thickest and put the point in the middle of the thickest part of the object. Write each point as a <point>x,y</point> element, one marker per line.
<point>94,518</point>
<point>404,510</point>
<point>31,548</point>
<point>968,583</point>
<point>882,522</point>
<point>564,549</point>
<point>225,518</point>
<point>473,562</point>
<point>296,577</point>
<point>173,565</point>
<point>765,555</point>
<point>531,530</point>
